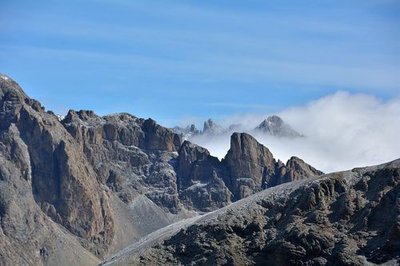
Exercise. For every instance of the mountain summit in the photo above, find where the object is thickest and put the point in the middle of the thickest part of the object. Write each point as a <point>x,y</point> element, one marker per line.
<point>211,128</point>
<point>275,126</point>
<point>77,190</point>
<point>272,126</point>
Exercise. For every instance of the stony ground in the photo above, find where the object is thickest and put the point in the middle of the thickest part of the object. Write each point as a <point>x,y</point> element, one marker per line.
<point>346,218</point>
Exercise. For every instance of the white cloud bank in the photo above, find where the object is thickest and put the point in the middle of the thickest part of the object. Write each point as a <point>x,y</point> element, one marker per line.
<point>342,131</point>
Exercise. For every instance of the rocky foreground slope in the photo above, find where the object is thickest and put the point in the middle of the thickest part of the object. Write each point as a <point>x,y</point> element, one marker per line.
<point>345,218</point>
<point>75,191</point>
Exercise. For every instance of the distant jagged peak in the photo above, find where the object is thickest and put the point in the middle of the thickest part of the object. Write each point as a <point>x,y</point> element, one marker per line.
<point>189,128</point>
<point>192,128</point>
<point>211,128</point>
<point>275,126</point>
<point>272,120</point>
<point>186,132</point>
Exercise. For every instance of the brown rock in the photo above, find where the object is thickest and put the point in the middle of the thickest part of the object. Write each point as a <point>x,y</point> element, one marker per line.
<point>60,176</point>
<point>250,165</point>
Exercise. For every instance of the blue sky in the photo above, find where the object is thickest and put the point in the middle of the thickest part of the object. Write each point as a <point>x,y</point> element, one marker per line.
<point>178,60</point>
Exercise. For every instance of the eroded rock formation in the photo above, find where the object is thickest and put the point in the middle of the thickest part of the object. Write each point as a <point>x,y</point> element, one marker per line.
<point>75,190</point>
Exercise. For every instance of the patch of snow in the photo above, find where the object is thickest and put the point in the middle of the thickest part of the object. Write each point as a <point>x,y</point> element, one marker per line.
<point>197,184</point>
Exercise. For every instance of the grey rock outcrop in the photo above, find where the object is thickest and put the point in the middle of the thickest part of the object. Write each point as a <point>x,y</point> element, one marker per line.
<point>252,167</point>
<point>296,169</point>
<point>344,218</point>
<point>132,156</point>
<point>201,179</point>
<point>206,183</point>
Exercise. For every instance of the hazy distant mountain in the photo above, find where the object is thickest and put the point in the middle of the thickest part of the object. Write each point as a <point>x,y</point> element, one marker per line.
<point>211,128</point>
<point>186,132</point>
<point>275,126</point>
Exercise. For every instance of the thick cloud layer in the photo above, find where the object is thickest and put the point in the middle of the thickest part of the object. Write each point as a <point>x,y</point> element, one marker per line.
<point>342,131</point>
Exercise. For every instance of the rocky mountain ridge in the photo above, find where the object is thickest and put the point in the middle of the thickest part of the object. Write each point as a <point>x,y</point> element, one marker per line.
<point>76,190</point>
<point>344,218</point>
<point>272,126</point>
<point>275,126</point>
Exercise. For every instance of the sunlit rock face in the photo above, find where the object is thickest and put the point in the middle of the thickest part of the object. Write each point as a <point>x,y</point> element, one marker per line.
<point>80,188</point>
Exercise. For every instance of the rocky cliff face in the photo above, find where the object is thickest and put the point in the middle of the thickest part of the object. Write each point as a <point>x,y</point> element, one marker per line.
<point>201,179</point>
<point>132,156</point>
<point>42,162</point>
<point>345,218</point>
<point>248,167</point>
<point>252,167</point>
<point>76,190</point>
<point>295,169</point>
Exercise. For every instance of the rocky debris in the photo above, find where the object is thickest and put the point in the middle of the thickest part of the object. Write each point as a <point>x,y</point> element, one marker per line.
<point>344,218</point>
<point>275,126</point>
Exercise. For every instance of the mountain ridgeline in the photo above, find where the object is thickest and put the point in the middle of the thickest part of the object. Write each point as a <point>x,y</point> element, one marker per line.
<point>121,189</point>
<point>77,178</point>
<point>273,126</point>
